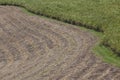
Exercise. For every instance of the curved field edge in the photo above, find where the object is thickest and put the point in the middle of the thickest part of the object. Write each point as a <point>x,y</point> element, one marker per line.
<point>101,51</point>
<point>104,52</point>
<point>98,15</point>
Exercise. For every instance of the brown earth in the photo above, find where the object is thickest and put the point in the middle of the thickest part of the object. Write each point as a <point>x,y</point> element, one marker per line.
<point>33,48</point>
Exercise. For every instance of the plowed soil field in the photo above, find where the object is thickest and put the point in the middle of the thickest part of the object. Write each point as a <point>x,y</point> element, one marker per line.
<point>35,48</point>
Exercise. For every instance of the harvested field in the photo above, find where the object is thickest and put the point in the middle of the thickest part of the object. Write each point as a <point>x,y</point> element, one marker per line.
<point>33,48</point>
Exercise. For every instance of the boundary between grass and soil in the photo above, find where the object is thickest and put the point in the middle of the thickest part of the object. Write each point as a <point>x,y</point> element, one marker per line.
<point>103,52</point>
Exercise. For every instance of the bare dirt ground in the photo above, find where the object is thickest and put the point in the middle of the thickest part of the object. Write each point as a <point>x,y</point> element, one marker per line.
<point>33,48</point>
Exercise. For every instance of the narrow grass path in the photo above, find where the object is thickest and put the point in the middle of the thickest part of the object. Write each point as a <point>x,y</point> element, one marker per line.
<point>34,48</point>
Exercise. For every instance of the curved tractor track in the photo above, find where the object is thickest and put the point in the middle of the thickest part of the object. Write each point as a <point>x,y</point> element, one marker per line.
<point>33,48</point>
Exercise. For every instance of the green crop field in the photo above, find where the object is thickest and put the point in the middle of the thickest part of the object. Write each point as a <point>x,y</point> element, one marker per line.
<point>100,15</point>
